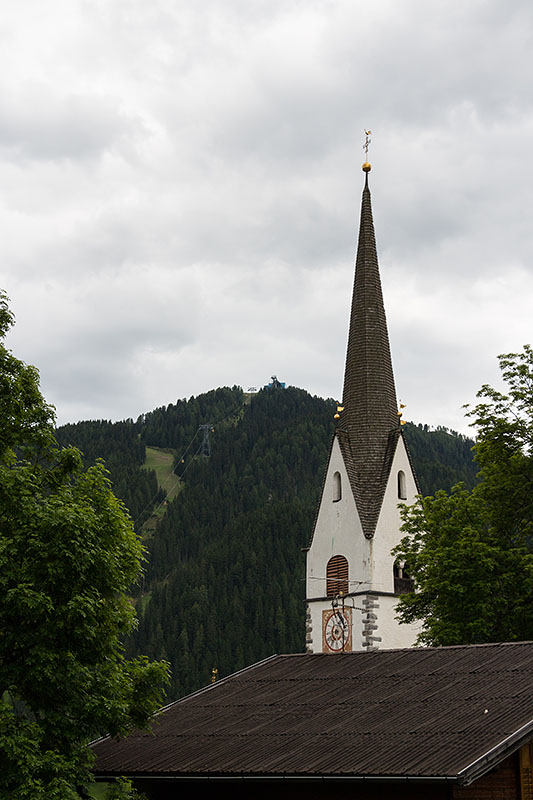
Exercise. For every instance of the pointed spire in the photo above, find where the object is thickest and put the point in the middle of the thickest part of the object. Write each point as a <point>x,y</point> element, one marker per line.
<point>369,421</point>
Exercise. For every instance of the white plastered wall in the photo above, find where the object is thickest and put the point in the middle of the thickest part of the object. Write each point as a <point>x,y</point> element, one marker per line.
<point>388,533</point>
<point>338,531</point>
<point>387,536</point>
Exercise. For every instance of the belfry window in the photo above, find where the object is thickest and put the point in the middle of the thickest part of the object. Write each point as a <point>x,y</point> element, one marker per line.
<point>337,576</point>
<point>337,488</point>
<point>403,583</point>
<point>402,491</point>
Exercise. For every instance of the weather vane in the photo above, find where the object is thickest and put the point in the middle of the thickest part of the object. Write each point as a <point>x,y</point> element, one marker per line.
<point>366,165</point>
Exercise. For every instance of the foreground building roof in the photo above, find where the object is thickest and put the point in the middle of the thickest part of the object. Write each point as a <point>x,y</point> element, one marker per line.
<point>447,714</point>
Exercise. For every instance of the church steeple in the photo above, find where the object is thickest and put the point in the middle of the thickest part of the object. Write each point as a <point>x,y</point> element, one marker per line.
<point>353,581</point>
<point>369,420</point>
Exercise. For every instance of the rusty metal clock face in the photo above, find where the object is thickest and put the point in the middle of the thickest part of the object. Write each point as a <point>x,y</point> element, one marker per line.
<point>337,631</point>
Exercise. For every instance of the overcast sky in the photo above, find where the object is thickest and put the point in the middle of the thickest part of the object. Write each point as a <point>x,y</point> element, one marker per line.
<point>180,187</point>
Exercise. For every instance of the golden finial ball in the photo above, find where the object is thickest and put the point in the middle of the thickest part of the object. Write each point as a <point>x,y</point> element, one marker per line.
<point>366,167</point>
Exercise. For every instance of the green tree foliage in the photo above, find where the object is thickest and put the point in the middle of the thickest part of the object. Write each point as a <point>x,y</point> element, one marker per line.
<point>470,552</point>
<point>175,425</point>
<point>68,555</point>
<point>119,445</point>
<point>122,789</point>
<point>122,444</point>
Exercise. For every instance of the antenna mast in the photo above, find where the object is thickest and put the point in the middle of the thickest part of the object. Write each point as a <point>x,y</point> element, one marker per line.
<point>205,447</point>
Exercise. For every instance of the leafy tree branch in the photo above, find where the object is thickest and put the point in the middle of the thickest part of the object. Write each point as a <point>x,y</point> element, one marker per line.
<point>68,557</point>
<point>470,553</point>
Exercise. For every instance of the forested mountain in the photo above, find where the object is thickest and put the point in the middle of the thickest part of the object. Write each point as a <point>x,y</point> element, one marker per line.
<point>441,457</point>
<point>122,445</point>
<point>175,426</point>
<point>224,584</point>
<point>119,445</point>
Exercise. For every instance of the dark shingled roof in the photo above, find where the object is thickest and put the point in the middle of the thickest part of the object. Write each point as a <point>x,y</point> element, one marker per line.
<point>450,712</point>
<point>369,397</point>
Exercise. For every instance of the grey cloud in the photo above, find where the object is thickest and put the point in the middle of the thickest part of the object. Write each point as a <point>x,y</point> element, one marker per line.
<point>181,202</point>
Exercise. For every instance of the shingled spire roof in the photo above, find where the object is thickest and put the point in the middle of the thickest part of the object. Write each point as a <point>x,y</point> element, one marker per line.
<point>368,429</point>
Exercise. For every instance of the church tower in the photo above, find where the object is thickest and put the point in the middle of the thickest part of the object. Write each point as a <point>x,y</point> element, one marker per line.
<point>352,581</point>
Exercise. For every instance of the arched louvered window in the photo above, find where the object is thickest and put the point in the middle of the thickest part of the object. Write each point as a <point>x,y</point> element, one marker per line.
<point>402,491</point>
<point>337,487</point>
<point>337,576</point>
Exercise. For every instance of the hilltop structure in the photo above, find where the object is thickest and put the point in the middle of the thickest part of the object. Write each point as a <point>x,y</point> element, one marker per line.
<point>352,581</point>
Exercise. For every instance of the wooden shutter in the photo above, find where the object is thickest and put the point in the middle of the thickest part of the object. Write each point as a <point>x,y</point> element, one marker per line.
<point>337,576</point>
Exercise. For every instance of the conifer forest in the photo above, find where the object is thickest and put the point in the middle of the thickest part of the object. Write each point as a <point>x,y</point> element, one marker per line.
<point>223,585</point>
